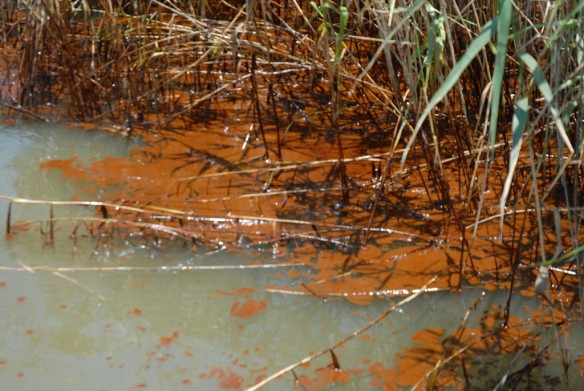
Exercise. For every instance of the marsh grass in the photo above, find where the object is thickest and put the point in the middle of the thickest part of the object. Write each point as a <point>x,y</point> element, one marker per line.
<point>481,102</point>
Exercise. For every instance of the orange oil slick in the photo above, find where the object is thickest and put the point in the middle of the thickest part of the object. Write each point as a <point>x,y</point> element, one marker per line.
<point>227,378</point>
<point>164,341</point>
<point>248,308</point>
<point>326,377</point>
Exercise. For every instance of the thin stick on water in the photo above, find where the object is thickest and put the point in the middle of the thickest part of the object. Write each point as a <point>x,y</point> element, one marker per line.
<point>76,282</point>
<point>163,268</point>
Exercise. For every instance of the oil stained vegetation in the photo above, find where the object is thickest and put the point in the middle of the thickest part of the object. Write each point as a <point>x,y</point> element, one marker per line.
<point>382,142</point>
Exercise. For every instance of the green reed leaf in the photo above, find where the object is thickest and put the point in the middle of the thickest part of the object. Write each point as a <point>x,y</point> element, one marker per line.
<point>504,19</point>
<point>475,47</point>
<point>520,118</point>
<point>546,91</point>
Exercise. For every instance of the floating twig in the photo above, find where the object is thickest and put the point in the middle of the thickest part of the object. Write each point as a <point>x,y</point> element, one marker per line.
<point>76,282</point>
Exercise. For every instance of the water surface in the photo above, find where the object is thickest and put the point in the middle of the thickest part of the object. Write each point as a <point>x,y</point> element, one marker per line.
<point>122,315</point>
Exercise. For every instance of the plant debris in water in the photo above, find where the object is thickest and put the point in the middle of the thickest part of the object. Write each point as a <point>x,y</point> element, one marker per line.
<point>298,126</point>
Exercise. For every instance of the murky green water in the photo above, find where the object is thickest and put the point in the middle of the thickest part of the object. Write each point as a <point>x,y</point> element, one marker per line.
<point>169,329</point>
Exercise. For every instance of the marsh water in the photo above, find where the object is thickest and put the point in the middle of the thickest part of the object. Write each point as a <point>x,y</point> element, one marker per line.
<point>79,313</point>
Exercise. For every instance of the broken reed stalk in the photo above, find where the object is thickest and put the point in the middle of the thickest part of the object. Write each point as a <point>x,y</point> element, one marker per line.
<point>342,341</point>
<point>271,101</point>
<point>51,226</point>
<point>8,218</point>
<point>258,110</point>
